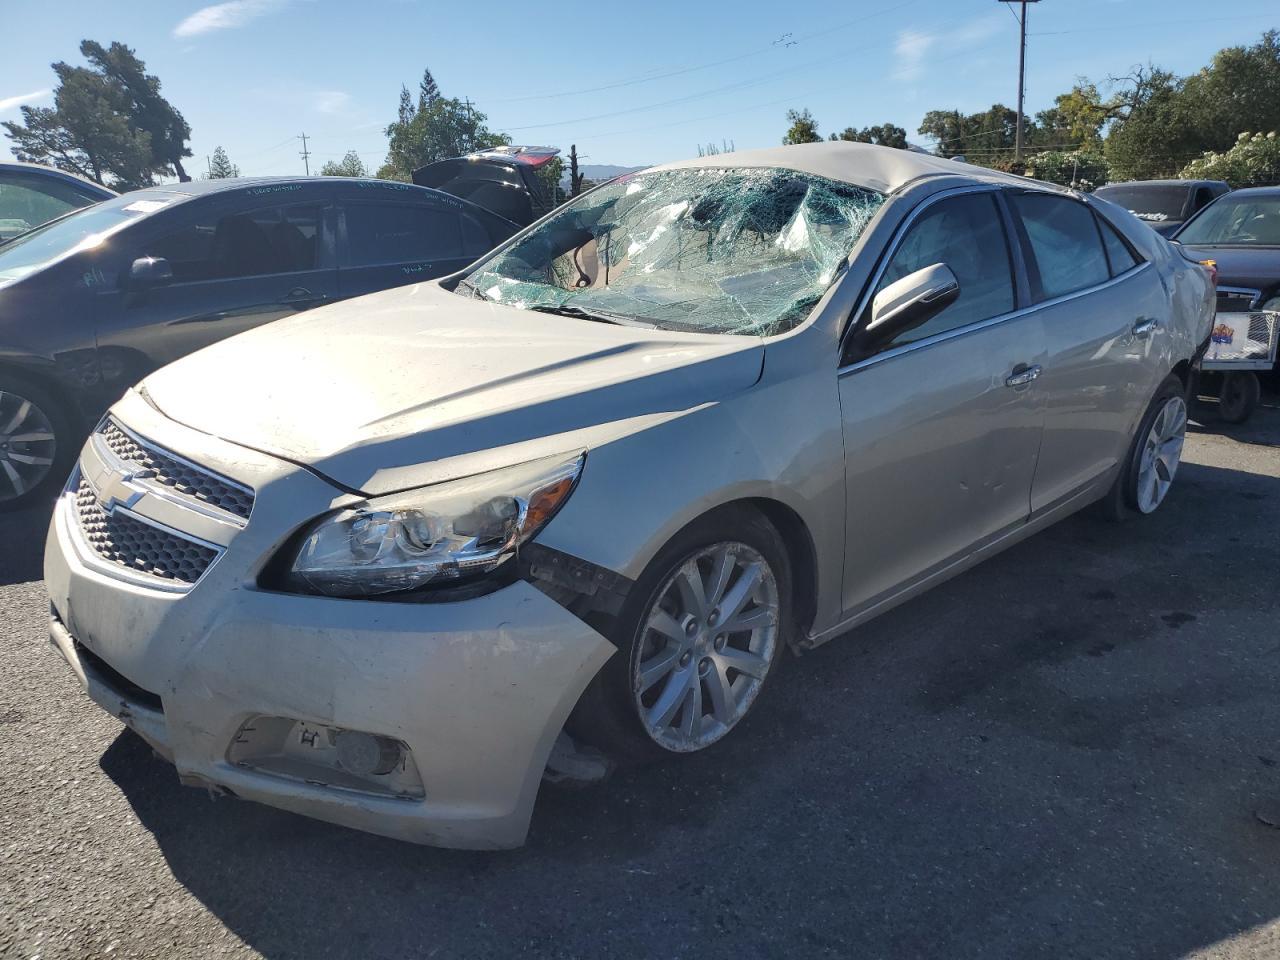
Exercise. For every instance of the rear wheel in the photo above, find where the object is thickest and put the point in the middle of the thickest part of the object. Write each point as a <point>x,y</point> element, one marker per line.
<point>697,641</point>
<point>1154,455</point>
<point>35,446</point>
<point>1239,396</point>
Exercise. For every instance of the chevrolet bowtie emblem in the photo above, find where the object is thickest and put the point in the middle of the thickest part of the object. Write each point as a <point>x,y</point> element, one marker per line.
<point>116,489</point>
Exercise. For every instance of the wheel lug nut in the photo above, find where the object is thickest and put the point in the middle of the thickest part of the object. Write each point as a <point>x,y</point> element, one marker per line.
<point>719,643</point>
<point>685,658</point>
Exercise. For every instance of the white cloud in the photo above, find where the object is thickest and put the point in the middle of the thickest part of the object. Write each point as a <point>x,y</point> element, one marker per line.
<point>331,101</point>
<point>224,16</point>
<point>910,48</point>
<point>913,46</point>
<point>12,103</point>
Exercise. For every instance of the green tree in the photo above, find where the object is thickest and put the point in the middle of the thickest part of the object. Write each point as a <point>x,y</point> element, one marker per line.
<point>108,122</point>
<point>220,166</point>
<point>886,135</point>
<point>148,110</point>
<point>803,129</point>
<point>1254,160</point>
<point>349,166</point>
<point>1152,135</point>
<point>1238,90</point>
<point>438,127</point>
<point>85,132</point>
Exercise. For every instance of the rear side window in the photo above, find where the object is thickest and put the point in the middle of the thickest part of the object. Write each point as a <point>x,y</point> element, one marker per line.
<point>475,238</point>
<point>967,234</point>
<point>1118,252</point>
<point>27,202</point>
<point>401,233</point>
<point>1065,242</point>
<point>248,244</point>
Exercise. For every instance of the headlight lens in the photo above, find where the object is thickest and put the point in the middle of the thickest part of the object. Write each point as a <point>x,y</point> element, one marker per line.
<point>433,535</point>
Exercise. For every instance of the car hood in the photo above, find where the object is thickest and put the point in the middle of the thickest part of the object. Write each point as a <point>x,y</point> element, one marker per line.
<point>417,375</point>
<point>1257,267</point>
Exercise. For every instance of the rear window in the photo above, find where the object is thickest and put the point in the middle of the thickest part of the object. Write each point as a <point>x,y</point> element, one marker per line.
<point>1154,203</point>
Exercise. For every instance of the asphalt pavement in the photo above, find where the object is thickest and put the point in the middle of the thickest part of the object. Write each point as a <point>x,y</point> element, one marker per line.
<point>1058,754</point>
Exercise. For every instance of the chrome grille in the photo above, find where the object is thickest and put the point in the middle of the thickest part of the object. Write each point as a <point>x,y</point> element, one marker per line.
<point>138,546</point>
<point>178,475</point>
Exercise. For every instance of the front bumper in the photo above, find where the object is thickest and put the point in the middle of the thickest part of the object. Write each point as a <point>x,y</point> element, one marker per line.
<point>477,690</point>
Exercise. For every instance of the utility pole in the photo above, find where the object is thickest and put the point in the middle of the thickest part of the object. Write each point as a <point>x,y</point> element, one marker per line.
<point>1022,71</point>
<point>471,128</point>
<point>305,154</point>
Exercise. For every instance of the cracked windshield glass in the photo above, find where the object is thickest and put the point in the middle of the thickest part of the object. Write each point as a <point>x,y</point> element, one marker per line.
<point>746,251</point>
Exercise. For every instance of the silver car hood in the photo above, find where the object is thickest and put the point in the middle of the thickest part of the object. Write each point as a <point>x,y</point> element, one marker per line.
<point>418,375</point>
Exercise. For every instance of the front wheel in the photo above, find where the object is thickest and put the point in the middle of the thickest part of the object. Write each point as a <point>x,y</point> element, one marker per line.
<point>698,639</point>
<point>35,442</point>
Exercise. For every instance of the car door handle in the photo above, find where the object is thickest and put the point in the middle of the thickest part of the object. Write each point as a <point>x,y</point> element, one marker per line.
<point>1143,326</point>
<point>301,297</point>
<point>1022,375</point>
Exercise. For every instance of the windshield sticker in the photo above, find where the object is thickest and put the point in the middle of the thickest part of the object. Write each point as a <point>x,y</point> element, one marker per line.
<point>146,206</point>
<point>1150,216</point>
<point>278,188</point>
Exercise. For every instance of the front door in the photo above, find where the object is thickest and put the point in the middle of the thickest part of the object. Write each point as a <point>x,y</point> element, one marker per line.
<point>942,425</point>
<point>1104,313</point>
<point>233,269</point>
<point>388,244</point>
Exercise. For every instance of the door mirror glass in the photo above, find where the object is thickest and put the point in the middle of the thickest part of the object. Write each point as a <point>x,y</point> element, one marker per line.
<point>150,272</point>
<point>912,301</point>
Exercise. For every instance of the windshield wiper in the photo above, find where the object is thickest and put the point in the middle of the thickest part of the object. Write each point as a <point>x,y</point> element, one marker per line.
<point>597,316</point>
<point>476,292</point>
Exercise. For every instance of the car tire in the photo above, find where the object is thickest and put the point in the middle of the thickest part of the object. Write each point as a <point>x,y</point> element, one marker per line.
<point>1131,493</point>
<point>677,683</point>
<point>1239,396</point>
<point>29,411</point>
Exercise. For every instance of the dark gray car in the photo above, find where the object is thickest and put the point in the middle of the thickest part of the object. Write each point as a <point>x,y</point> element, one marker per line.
<point>1164,205</point>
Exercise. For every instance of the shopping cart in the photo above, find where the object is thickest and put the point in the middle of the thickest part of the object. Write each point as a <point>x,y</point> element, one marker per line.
<point>1242,345</point>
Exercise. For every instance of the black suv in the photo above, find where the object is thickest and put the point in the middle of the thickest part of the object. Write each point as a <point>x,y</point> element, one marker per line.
<point>92,302</point>
<point>1163,204</point>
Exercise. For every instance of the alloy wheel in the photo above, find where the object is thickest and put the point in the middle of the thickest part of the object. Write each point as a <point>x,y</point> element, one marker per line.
<point>706,646</point>
<point>27,445</point>
<point>1161,454</point>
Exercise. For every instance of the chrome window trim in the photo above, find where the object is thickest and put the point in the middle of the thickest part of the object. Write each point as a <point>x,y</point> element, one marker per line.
<point>990,322</point>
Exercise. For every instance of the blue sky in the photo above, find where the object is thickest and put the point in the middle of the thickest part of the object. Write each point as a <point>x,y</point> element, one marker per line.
<point>630,83</point>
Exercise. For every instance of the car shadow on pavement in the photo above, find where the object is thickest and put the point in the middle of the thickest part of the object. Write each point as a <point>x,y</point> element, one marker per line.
<point>1057,753</point>
<point>22,536</point>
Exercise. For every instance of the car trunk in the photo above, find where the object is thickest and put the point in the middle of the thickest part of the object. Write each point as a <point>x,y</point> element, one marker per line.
<point>504,180</point>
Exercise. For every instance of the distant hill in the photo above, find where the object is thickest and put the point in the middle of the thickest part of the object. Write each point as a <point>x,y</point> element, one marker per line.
<point>598,171</point>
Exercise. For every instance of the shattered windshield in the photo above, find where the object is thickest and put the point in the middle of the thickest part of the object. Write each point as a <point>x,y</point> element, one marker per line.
<point>746,251</point>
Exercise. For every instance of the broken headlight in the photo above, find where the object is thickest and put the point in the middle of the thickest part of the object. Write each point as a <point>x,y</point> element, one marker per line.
<point>433,535</point>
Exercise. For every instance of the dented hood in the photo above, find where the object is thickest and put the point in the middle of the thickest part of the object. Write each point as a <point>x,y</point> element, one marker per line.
<point>417,374</point>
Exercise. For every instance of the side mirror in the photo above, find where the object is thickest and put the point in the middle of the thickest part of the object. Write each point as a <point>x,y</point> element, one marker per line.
<point>150,272</point>
<point>910,302</point>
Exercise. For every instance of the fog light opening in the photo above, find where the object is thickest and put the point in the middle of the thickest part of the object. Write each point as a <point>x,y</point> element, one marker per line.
<point>365,754</point>
<point>327,756</point>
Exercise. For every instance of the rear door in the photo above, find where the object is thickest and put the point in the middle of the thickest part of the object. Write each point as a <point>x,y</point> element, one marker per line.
<point>237,263</point>
<point>387,243</point>
<point>942,425</point>
<point>1104,311</point>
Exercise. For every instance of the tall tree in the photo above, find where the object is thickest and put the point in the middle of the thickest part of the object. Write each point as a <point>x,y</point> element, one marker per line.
<point>428,89</point>
<point>440,127</point>
<point>85,132</point>
<point>886,135</point>
<point>108,122</point>
<point>148,110</point>
<point>803,128</point>
<point>220,166</point>
<point>349,166</point>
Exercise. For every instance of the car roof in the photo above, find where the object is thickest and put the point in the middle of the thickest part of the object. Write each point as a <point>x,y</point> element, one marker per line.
<point>883,169</point>
<point>1272,191</point>
<point>20,166</point>
<point>1174,182</point>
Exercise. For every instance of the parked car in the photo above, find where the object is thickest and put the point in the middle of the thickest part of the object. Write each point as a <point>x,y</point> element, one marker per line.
<point>1240,232</point>
<point>31,194</point>
<point>365,566</point>
<point>91,303</point>
<point>506,180</point>
<point>1163,204</point>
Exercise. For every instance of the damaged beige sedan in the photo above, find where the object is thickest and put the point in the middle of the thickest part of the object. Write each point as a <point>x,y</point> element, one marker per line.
<point>370,563</point>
